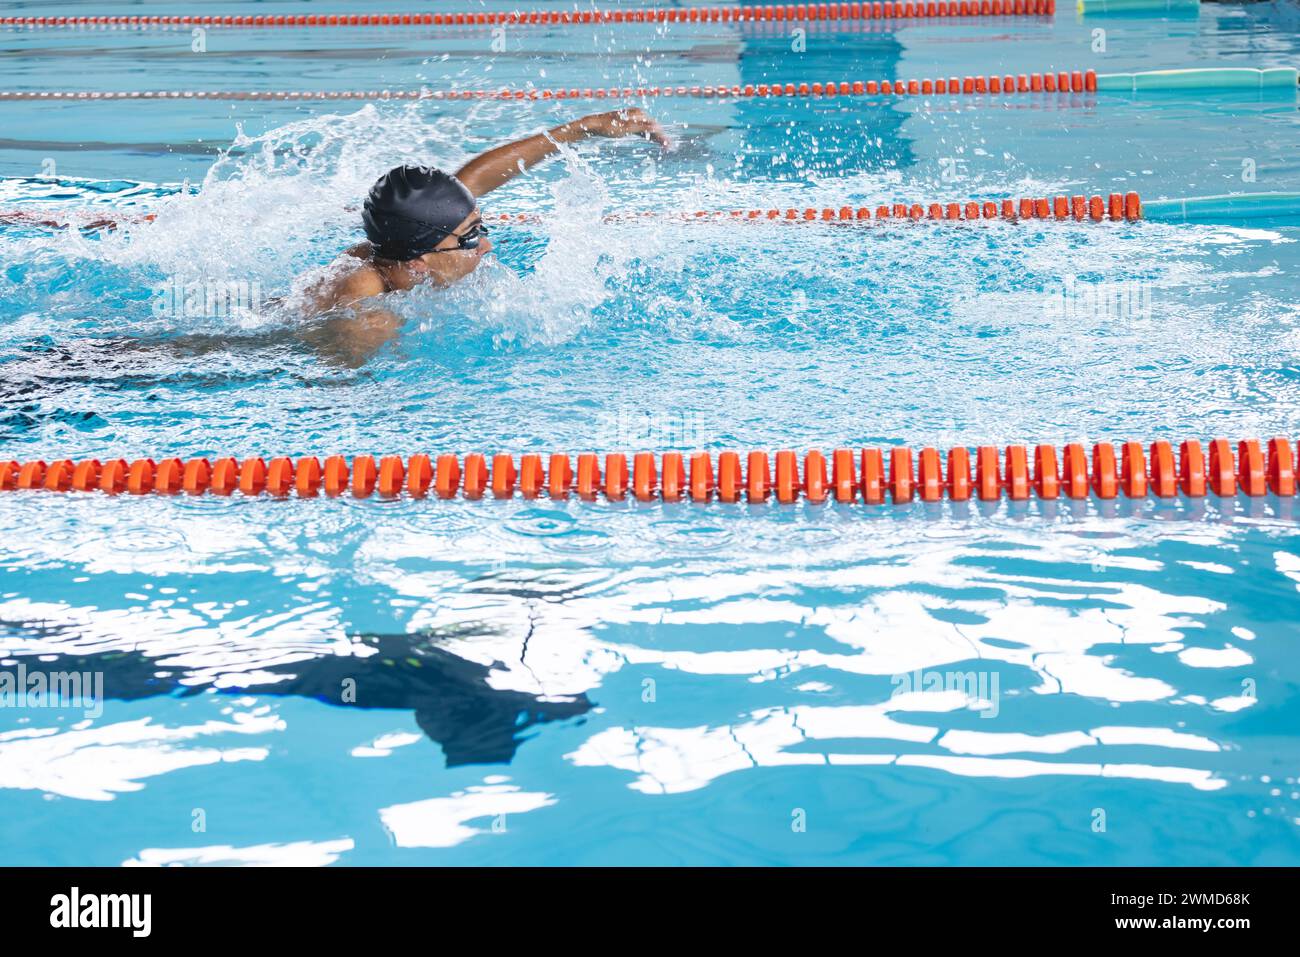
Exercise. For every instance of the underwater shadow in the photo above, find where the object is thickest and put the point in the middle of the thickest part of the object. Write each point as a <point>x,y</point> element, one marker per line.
<point>452,698</point>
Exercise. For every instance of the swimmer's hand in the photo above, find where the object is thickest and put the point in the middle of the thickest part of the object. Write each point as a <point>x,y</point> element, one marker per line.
<point>632,121</point>
<point>498,166</point>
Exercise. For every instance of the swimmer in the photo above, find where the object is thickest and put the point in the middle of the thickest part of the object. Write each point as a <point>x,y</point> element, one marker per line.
<point>423,226</point>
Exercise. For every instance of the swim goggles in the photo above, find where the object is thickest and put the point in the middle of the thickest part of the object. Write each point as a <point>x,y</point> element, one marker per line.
<point>466,240</point>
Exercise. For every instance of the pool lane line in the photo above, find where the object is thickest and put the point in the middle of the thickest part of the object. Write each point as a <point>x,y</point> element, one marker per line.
<point>1115,207</point>
<point>1078,81</point>
<point>1234,79</point>
<point>792,12</point>
<point>83,219</point>
<point>1078,208</point>
<point>870,476</point>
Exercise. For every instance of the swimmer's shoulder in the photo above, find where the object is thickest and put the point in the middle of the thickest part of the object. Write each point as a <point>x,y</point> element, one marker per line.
<point>358,278</point>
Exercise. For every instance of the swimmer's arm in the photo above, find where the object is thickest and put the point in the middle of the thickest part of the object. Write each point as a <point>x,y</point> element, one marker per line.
<point>498,166</point>
<point>352,338</point>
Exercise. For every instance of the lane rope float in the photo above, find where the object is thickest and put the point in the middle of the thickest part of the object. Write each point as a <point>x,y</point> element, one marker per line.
<point>80,219</point>
<point>1188,8</point>
<point>1077,81</point>
<point>1208,209</point>
<point>1077,208</point>
<point>795,12</point>
<point>1210,78</point>
<point>1025,83</point>
<point>1071,81</point>
<point>869,476</point>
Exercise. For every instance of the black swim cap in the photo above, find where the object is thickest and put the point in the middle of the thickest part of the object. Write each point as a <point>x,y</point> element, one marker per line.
<point>412,209</point>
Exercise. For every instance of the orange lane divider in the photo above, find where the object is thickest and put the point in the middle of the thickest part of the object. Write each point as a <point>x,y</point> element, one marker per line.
<point>1072,81</point>
<point>1115,206</point>
<point>81,219</point>
<point>1079,208</point>
<point>871,476</point>
<point>796,12</point>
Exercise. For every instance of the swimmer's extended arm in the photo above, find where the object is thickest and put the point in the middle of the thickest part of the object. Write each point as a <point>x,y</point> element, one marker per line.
<point>496,167</point>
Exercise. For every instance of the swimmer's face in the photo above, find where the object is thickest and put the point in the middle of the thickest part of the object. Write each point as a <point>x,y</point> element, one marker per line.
<point>451,259</point>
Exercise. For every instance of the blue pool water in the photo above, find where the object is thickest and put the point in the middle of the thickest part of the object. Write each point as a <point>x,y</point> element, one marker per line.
<point>398,682</point>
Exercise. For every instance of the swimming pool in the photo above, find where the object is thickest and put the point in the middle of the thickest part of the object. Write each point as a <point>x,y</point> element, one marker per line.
<point>406,681</point>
